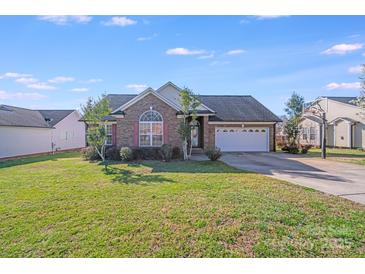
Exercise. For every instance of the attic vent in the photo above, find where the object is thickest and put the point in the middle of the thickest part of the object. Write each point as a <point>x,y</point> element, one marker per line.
<point>5,108</point>
<point>48,120</point>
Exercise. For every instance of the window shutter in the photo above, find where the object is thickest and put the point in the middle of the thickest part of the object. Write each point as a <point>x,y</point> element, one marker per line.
<point>114,134</point>
<point>165,133</point>
<point>136,133</point>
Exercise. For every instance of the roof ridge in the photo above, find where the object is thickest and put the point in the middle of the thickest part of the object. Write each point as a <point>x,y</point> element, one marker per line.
<point>219,95</point>
<point>121,94</point>
<point>18,107</point>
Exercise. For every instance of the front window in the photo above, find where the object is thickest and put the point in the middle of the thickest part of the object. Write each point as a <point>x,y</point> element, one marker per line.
<point>312,135</point>
<point>150,129</point>
<point>108,129</point>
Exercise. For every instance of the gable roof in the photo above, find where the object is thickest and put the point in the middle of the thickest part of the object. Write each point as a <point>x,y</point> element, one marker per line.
<point>236,108</point>
<point>341,99</point>
<point>141,96</point>
<point>117,100</point>
<point>53,117</point>
<point>21,117</point>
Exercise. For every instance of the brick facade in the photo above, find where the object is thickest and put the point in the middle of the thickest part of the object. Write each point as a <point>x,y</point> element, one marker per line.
<point>126,126</point>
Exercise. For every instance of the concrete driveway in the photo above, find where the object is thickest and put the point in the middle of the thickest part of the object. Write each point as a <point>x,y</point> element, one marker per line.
<point>341,179</point>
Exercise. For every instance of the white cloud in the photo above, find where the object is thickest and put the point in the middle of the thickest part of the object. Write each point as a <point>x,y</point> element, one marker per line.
<point>208,56</point>
<point>355,70</point>
<point>61,79</point>
<point>26,80</point>
<point>66,19</point>
<point>184,51</point>
<point>146,38</point>
<point>235,52</point>
<point>41,86</point>
<point>93,81</point>
<point>21,95</point>
<point>363,54</point>
<point>137,87</point>
<point>333,85</point>
<point>267,17</point>
<point>14,75</point>
<point>120,21</point>
<point>79,89</point>
<point>342,49</point>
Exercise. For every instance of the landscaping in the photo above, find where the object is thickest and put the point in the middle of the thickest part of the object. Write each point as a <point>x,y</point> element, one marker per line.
<point>63,206</point>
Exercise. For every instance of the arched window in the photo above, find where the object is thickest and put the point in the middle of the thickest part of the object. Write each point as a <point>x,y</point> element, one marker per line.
<point>150,129</point>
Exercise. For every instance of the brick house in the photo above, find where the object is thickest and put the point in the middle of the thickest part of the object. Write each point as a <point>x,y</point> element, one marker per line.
<point>152,118</point>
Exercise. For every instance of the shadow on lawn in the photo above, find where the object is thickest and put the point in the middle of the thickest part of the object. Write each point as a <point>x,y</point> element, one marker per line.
<point>37,159</point>
<point>188,167</point>
<point>125,176</point>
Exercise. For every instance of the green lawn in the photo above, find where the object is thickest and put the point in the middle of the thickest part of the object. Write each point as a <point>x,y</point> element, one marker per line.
<point>354,156</point>
<point>62,206</point>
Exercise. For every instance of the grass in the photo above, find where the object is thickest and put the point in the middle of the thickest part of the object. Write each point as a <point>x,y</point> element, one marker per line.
<point>354,156</point>
<point>62,206</point>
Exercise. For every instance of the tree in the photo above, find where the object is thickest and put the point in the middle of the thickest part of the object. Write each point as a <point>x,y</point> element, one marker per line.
<point>294,108</point>
<point>94,112</point>
<point>189,104</point>
<point>360,100</point>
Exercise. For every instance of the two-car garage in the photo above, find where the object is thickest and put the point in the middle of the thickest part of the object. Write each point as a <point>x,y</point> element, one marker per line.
<point>242,139</point>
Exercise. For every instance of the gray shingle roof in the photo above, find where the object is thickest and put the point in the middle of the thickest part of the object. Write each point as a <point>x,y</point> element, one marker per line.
<point>346,100</point>
<point>237,108</point>
<point>117,100</point>
<point>22,117</point>
<point>55,116</point>
<point>227,107</point>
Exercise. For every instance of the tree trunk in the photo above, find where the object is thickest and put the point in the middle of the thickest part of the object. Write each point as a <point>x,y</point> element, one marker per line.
<point>185,149</point>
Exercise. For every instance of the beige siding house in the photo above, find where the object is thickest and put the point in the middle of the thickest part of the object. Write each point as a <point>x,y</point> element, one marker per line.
<point>346,125</point>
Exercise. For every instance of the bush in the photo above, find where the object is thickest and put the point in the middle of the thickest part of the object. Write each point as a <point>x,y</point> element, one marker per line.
<point>176,153</point>
<point>112,153</point>
<point>213,153</point>
<point>304,149</point>
<point>126,154</point>
<point>166,152</point>
<point>147,153</point>
<point>290,149</point>
<point>90,154</point>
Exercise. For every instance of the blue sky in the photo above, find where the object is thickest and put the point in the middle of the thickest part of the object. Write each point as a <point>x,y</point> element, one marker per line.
<point>57,62</point>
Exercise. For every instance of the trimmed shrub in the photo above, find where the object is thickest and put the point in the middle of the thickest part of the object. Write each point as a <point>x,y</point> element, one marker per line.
<point>176,153</point>
<point>213,153</point>
<point>112,153</point>
<point>304,149</point>
<point>290,149</point>
<point>90,154</point>
<point>166,152</point>
<point>126,154</point>
<point>147,153</point>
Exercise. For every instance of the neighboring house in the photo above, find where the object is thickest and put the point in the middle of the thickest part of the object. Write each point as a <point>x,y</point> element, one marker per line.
<point>346,125</point>
<point>153,117</point>
<point>25,132</point>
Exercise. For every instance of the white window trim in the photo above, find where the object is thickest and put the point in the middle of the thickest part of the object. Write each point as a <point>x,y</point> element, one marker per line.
<point>150,133</point>
<point>111,135</point>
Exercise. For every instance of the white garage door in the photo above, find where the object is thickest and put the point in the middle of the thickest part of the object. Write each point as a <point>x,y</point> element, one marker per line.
<point>242,139</point>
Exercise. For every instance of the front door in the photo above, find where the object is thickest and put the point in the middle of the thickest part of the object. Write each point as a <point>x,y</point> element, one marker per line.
<point>195,134</point>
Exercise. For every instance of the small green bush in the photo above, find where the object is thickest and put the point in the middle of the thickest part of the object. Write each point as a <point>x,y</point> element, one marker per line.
<point>176,153</point>
<point>305,148</point>
<point>166,152</point>
<point>90,154</point>
<point>126,154</point>
<point>213,153</point>
<point>290,149</point>
<point>112,153</point>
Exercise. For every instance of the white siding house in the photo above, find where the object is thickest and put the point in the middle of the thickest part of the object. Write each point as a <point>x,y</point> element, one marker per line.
<point>346,124</point>
<point>27,132</point>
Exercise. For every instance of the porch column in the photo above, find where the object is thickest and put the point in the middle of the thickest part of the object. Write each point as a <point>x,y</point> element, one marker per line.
<point>334,134</point>
<point>205,132</point>
<point>349,135</point>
